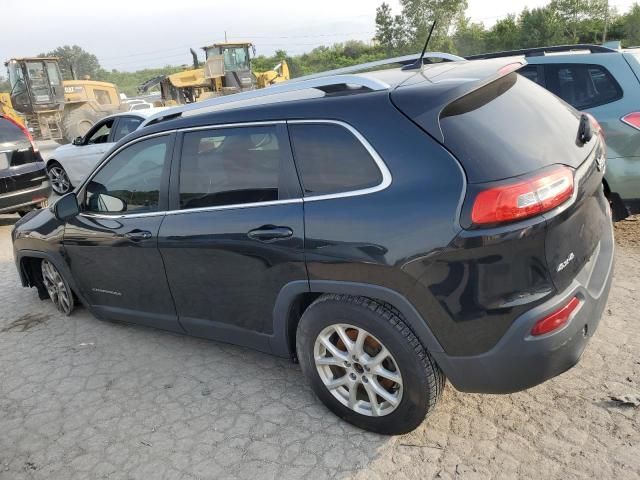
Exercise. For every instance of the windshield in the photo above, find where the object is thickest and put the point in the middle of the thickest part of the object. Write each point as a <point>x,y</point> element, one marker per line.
<point>236,58</point>
<point>39,81</point>
<point>16,78</point>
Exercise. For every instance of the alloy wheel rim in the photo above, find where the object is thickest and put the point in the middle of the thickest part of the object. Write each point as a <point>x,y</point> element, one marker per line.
<point>56,288</point>
<point>358,370</point>
<point>59,179</point>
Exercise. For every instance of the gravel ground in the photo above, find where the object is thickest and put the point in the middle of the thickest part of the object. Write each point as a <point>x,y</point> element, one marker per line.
<point>81,398</point>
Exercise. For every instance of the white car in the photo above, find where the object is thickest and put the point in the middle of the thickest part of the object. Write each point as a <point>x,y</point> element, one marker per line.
<point>70,164</point>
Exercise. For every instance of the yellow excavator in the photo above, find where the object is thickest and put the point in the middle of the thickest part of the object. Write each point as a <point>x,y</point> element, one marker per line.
<point>54,109</point>
<point>226,70</point>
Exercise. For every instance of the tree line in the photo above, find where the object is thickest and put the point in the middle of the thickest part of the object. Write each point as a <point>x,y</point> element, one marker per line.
<point>398,33</point>
<point>560,22</point>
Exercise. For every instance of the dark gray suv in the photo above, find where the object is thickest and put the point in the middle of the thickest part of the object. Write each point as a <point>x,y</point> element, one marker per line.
<point>388,229</point>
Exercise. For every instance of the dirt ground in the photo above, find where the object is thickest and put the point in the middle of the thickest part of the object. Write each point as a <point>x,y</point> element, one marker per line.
<point>81,398</point>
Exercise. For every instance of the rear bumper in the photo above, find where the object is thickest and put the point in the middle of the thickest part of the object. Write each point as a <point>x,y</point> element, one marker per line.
<point>25,199</point>
<point>520,361</point>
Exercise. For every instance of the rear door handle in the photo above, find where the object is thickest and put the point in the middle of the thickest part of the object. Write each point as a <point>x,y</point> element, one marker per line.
<point>138,235</point>
<point>270,233</point>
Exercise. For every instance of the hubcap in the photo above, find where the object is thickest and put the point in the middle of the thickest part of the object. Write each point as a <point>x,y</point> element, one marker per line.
<point>59,179</point>
<point>58,293</point>
<point>358,370</point>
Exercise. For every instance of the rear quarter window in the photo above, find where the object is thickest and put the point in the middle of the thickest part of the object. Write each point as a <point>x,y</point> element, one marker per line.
<point>330,159</point>
<point>10,132</point>
<point>582,85</point>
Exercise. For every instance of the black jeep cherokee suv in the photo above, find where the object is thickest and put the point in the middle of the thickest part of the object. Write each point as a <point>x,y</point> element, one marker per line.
<point>389,229</point>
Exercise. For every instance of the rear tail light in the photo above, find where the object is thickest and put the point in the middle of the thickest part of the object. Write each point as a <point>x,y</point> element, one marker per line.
<point>26,131</point>
<point>632,119</point>
<point>523,198</point>
<point>556,320</point>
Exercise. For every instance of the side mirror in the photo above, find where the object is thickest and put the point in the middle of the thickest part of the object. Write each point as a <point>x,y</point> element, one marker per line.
<point>77,141</point>
<point>108,203</point>
<point>66,207</point>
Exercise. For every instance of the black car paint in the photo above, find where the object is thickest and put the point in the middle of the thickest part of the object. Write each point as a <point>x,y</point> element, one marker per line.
<point>460,290</point>
<point>23,182</point>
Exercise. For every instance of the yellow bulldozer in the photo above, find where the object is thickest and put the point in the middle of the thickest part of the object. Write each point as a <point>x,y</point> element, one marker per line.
<point>54,109</point>
<point>226,70</point>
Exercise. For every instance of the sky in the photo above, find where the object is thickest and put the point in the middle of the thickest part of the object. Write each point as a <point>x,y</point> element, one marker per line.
<point>133,34</point>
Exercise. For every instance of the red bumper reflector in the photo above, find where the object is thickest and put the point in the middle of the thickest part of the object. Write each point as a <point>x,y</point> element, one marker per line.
<point>556,320</point>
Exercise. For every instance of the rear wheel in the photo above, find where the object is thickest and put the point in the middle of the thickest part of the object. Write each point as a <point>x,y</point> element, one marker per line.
<point>59,179</point>
<point>57,288</point>
<point>77,122</point>
<point>366,365</point>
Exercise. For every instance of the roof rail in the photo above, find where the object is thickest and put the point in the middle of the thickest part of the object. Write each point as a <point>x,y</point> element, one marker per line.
<point>540,51</point>
<point>404,60</point>
<point>321,83</point>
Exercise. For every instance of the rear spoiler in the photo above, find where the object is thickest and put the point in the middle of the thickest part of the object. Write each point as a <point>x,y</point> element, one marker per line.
<point>424,97</point>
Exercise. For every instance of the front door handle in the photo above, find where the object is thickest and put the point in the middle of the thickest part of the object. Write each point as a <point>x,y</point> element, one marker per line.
<point>138,235</point>
<point>270,233</point>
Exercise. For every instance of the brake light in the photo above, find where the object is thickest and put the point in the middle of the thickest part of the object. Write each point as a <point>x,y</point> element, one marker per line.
<point>523,198</point>
<point>556,320</point>
<point>25,130</point>
<point>512,67</point>
<point>632,119</point>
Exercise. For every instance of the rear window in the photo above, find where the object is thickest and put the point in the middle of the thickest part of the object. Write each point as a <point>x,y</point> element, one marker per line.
<point>125,126</point>
<point>10,132</point>
<point>510,127</point>
<point>331,160</point>
<point>583,86</point>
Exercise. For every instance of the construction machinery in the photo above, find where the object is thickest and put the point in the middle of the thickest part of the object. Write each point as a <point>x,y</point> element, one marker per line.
<point>226,70</point>
<point>55,109</point>
<point>6,109</point>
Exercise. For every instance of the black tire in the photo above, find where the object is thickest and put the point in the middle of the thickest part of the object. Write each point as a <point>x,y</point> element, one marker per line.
<point>77,122</point>
<point>422,379</point>
<point>58,178</point>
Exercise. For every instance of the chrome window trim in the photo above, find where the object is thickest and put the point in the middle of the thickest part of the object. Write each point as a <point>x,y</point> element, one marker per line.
<point>103,162</point>
<point>235,206</point>
<point>382,167</point>
<point>386,174</point>
<point>233,125</point>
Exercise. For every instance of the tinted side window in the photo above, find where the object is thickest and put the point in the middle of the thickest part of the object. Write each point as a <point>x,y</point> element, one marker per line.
<point>583,86</point>
<point>230,166</point>
<point>130,182</point>
<point>101,135</point>
<point>331,160</point>
<point>125,126</point>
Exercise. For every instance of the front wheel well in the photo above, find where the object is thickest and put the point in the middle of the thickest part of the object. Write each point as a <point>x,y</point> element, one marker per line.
<point>32,274</point>
<point>51,162</point>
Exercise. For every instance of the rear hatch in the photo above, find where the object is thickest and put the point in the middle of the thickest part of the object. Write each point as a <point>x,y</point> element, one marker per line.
<point>21,166</point>
<point>505,129</point>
